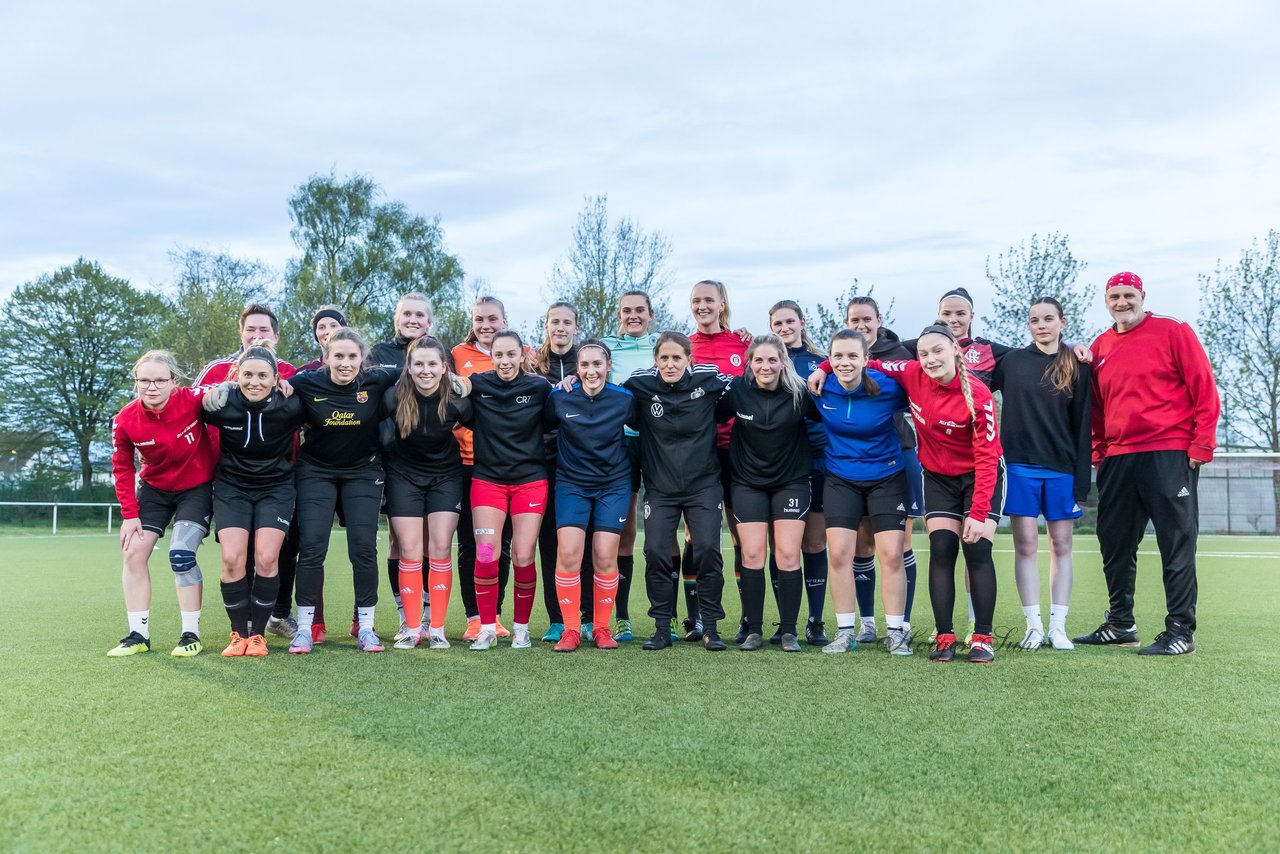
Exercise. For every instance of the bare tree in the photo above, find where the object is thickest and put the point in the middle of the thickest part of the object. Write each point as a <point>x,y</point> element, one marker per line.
<point>606,260</point>
<point>1038,268</point>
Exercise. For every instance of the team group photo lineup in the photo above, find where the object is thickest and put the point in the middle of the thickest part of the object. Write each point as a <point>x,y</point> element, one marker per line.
<point>804,471</point>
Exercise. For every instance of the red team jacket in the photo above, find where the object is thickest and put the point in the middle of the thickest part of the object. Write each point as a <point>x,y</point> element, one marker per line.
<point>727,352</point>
<point>952,443</point>
<point>173,443</point>
<point>1153,390</point>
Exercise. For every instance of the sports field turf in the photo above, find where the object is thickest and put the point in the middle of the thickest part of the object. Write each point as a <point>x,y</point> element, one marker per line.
<point>677,750</point>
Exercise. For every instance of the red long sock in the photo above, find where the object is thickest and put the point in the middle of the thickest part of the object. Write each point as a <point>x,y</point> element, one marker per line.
<point>569,592</point>
<point>526,586</point>
<point>606,590</point>
<point>487,591</point>
<point>411,592</point>
<point>440,581</point>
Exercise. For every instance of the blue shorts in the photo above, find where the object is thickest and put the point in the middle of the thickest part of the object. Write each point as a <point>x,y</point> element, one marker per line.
<point>915,481</point>
<point>1035,491</point>
<point>604,507</point>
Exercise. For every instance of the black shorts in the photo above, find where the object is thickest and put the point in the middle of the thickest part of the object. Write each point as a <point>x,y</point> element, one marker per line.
<point>951,496</point>
<point>753,504</point>
<point>158,507</point>
<point>633,455</point>
<point>408,497</point>
<point>885,501</point>
<point>255,507</point>
<point>726,477</point>
<point>817,484</point>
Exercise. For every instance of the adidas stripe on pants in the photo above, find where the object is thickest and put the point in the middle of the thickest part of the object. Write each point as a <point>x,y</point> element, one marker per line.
<point>1155,486</point>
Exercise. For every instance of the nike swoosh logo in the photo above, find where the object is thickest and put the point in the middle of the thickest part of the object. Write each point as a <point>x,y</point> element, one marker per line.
<point>539,504</point>
<point>824,406</point>
<point>572,415</point>
<point>486,395</point>
<point>319,399</point>
<point>379,482</point>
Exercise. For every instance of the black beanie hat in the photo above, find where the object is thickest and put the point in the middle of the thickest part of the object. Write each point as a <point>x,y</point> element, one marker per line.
<point>322,314</point>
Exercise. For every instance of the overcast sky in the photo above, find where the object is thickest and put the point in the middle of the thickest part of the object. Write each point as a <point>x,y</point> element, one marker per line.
<point>783,148</point>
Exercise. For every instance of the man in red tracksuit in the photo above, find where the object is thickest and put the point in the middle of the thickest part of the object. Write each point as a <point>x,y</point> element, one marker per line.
<point>1155,422</point>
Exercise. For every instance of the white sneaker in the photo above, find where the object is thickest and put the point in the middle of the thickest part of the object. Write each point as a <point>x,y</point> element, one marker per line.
<point>487,639</point>
<point>898,642</point>
<point>1033,639</point>
<point>410,639</point>
<point>1059,639</point>
<point>867,632</point>
<point>402,632</point>
<point>438,640</point>
<point>520,637</point>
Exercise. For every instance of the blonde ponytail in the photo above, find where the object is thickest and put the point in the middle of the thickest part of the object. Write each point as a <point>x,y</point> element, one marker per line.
<point>966,387</point>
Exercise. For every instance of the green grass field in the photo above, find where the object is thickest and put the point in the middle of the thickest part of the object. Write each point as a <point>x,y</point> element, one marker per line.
<point>1091,750</point>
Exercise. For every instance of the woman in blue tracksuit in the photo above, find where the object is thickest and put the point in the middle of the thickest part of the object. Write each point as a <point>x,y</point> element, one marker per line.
<point>865,479</point>
<point>786,319</point>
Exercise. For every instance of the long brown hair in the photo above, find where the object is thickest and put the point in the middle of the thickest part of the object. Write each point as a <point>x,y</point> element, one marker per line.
<point>870,386</point>
<point>1062,371</point>
<point>470,337</point>
<point>543,360</point>
<point>407,395</point>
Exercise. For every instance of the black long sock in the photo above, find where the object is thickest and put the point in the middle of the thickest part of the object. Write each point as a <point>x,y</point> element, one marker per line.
<point>626,566</point>
<point>753,598</point>
<point>864,585</point>
<point>263,600</point>
<point>815,583</point>
<point>773,576</point>
<point>235,596</point>
<point>944,548</point>
<point>689,572</point>
<point>393,575</point>
<point>909,565</point>
<point>982,584</point>
<point>790,587</point>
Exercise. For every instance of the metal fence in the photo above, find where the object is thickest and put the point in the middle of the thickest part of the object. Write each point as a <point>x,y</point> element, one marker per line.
<point>24,513</point>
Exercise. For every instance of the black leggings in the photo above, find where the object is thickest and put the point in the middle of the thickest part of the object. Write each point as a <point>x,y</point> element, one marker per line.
<point>944,547</point>
<point>703,517</point>
<point>467,553</point>
<point>320,491</point>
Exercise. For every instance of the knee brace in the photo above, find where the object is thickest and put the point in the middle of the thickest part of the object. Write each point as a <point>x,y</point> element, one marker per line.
<point>182,553</point>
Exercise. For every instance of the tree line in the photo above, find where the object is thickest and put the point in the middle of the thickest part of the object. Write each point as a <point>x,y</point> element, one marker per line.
<point>75,332</point>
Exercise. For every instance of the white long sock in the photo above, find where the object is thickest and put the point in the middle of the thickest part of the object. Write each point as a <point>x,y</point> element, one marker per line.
<point>1058,618</point>
<point>191,622</point>
<point>365,617</point>
<point>893,621</point>
<point>140,622</point>
<point>1034,621</point>
<point>306,617</point>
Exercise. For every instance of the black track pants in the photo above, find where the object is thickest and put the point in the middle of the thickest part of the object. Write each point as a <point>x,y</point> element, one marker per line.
<point>703,515</point>
<point>321,491</point>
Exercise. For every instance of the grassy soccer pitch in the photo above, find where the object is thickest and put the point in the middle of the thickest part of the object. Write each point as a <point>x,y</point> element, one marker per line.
<point>682,749</point>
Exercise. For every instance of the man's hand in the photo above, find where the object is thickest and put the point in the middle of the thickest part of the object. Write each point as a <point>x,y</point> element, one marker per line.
<point>1083,353</point>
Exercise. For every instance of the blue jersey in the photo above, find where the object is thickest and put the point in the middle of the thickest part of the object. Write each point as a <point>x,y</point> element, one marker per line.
<point>862,440</point>
<point>806,363</point>
<point>590,450</point>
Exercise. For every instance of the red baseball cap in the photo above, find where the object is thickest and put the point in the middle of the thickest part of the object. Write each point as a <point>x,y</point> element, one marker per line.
<point>1130,279</point>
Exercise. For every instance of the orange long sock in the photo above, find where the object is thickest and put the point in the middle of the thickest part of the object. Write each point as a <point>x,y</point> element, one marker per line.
<point>569,592</point>
<point>440,588</point>
<point>411,592</point>
<point>606,589</point>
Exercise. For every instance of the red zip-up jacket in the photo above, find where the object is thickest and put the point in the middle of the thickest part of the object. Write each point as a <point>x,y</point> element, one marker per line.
<point>173,443</point>
<point>728,352</point>
<point>217,371</point>
<point>1153,390</point>
<point>951,441</point>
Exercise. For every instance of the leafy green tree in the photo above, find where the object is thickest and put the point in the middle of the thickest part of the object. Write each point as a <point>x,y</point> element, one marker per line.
<point>75,335</point>
<point>607,259</point>
<point>210,291</point>
<point>1037,268</point>
<point>360,254</point>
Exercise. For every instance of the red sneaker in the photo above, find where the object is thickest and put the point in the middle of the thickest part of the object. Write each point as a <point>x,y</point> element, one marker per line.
<point>982,649</point>
<point>604,638</point>
<point>944,648</point>
<point>569,641</point>
<point>317,633</point>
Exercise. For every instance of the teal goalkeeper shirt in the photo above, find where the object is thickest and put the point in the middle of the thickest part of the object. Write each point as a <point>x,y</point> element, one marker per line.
<point>629,355</point>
